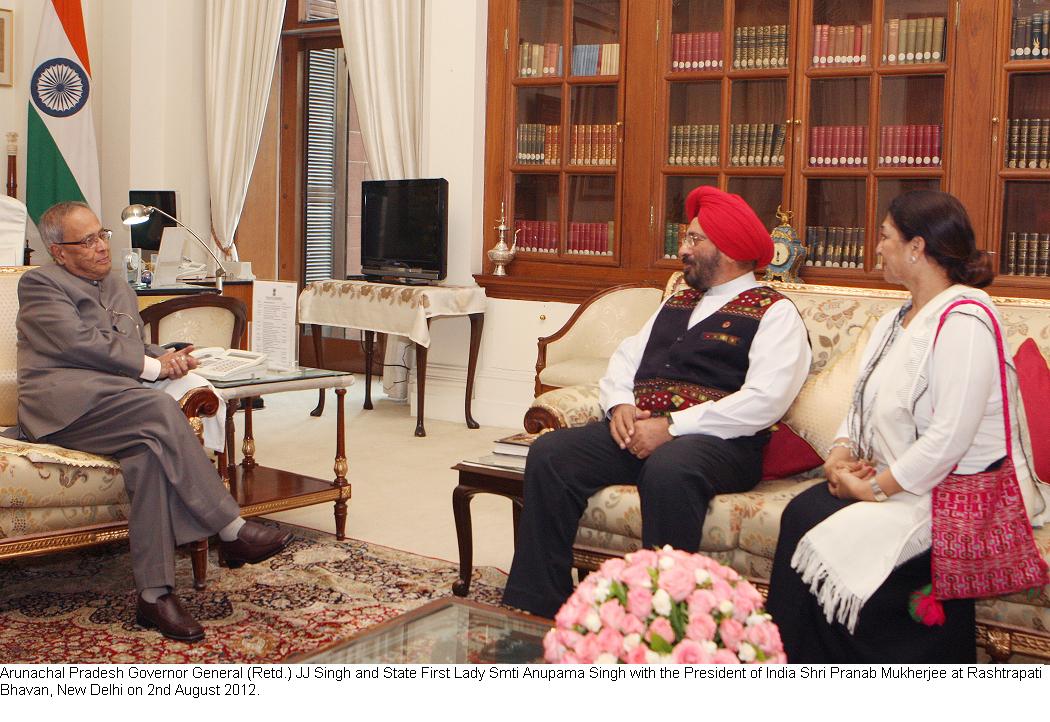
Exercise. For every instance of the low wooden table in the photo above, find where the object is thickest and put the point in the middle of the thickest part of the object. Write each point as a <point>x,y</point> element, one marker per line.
<point>478,478</point>
<point>445,631</point>
<point>262,490</point>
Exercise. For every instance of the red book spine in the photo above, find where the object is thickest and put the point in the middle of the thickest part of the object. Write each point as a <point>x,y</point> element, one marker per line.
<point>896,135</point>
<point>838,145</point>
<point>864,145</point>
<point>718,49</point>
<point>858,44</point>
<point>824,143</point>
<point>676,50</point>
<point>913,144</point>
<point>936,157</point>
<point>691,51</point>
<point>813,134</point>
<point>884,145</point>
<point>700,56</point>
<point>592,238</point>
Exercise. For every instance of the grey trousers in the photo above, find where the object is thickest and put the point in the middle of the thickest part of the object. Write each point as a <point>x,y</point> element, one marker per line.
<point>176,494</point>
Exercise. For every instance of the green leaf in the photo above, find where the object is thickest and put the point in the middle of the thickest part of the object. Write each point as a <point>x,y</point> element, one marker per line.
<point>618,590</point>
<point>655,576</point>
<point>678,619</point>
<point>659,645</point>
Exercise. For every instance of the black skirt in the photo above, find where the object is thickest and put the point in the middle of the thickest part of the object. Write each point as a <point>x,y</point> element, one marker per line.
<point>885,631</point>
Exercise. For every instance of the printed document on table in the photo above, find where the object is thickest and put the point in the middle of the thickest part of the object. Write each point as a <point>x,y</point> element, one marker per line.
<point>273,322</point>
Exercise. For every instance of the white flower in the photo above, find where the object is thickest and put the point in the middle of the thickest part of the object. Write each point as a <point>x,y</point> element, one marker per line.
<point>667,548</point>
<point>726,606</point>
<point>606,658</point>
<point>756,618</point>
<point>631,641</point>
<point>746,653</point>
<point>666,563</point>
<point>592,621</point>
<point>709,646</point>
<point>601,590</point>
<point>651,657</point>
<point>703,577</point>
<point>662,602</point>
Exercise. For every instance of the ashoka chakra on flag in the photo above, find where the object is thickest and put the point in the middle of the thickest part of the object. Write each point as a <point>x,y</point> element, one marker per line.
<point>59,87</point>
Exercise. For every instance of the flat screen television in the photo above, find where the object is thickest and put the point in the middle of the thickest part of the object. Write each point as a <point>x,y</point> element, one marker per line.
<point>404,228</point>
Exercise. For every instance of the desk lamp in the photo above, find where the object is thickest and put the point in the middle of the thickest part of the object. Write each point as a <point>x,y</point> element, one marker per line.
<point>137,213</point>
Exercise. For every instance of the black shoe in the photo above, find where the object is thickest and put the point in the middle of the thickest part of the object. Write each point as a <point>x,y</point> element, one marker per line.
<point>255,543</point>
<point>167,616</point>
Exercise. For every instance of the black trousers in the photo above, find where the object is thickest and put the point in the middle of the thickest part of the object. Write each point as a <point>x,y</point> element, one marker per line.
<point>885,632</point>
<point>567,466</point>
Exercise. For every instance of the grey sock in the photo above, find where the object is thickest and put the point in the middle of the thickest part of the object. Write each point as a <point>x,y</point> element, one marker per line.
<point>229,532</point>
<point>150,595</point>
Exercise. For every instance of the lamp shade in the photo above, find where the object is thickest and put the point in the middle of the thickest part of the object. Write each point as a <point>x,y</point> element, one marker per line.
<point>135,214</point>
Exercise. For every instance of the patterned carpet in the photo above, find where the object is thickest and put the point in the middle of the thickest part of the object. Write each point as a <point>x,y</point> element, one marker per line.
<point>80,606</point>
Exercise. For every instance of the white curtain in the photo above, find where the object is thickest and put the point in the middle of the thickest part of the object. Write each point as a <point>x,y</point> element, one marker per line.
<point>241,40</point>
<point>383,42</point>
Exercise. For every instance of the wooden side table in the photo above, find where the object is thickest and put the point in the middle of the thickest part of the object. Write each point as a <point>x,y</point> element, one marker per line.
<point>475,479</point>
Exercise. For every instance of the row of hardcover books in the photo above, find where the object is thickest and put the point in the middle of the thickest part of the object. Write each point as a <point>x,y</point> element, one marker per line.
<point>587,239</point>
<point>601,59</point>
<point>696,51</point>
<point>1027,254</point>
<point>913,40</point>
<point>590,239</point>
<point>538,144</point>
<point>1030,36</point>
<point>538,59</point>
<point>756,144</point>
<point>536,236</point>
<point>838,145</point>
<point>910,145</point>
<point>694,145</point>
<point>835,247</point>
<point>674,234</point>
<point>760,46</point>
<point>841,44</point>
<point>1028,143</point>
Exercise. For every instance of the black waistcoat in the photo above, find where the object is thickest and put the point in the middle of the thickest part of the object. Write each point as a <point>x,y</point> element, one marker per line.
<point>682,366</point>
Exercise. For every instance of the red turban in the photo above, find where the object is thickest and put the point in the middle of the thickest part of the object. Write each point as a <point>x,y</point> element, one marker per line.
<point>731,225</point>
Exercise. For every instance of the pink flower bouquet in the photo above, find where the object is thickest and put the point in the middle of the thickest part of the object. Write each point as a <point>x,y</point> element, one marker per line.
<point>659,606</point>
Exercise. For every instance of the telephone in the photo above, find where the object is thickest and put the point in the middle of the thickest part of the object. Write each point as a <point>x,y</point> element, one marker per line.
<point>219,364</point>
<point>190,271</point>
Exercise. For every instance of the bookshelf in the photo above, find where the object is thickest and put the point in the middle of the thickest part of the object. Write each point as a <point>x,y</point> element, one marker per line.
<point>604,114</point>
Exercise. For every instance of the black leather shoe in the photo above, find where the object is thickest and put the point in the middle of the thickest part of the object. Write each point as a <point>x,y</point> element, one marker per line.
<point>255,543</point>
<point>168,617</point>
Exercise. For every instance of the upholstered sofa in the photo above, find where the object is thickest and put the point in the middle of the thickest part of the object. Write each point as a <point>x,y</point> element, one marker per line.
<point>741,529</point>
<point>52,498</point>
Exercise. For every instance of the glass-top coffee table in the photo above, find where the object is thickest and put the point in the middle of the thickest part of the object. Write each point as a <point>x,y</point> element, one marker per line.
<point>445,631</point>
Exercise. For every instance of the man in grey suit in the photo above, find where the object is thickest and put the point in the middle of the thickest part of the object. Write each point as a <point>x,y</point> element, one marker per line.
<point>81,368</point>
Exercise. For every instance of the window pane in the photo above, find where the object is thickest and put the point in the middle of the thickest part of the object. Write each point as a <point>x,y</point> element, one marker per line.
<point>318,10</point>
<point>325,164</point>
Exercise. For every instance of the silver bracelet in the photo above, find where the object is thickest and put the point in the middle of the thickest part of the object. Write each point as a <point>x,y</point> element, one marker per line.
<point>841,444</point>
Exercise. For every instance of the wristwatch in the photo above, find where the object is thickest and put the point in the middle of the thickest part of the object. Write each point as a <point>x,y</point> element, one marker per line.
<point>880,495</point>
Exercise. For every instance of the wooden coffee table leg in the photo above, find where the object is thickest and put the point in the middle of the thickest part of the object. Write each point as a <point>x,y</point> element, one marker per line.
<point>461,497</point>
<point>341,466</point>
<point>230,472</point>
<point>477,323</point>
<point>248,443</point>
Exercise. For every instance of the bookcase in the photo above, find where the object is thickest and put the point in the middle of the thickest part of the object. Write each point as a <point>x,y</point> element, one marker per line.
<point>604,114</point>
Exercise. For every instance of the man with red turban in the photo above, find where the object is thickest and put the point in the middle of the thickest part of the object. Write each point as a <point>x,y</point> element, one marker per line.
<point>688,400</point>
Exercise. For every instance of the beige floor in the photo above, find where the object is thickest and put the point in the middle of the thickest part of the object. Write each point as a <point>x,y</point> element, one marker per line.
<point>402,485</point>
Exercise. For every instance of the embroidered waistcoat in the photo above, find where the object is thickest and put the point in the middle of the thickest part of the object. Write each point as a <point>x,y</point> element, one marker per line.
<point>683,366</point>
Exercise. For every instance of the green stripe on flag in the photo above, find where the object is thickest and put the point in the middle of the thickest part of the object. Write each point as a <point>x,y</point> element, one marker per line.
<point>48,178</point>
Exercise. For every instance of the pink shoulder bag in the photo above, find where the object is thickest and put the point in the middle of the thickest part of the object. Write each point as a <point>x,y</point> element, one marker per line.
<point>982,539</point>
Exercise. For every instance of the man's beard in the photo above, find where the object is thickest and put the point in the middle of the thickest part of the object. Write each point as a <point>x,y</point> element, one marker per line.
<point>698,272</point>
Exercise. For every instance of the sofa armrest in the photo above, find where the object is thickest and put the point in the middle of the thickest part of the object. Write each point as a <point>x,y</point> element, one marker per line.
<point>563,408</point>
<point>196,404</point>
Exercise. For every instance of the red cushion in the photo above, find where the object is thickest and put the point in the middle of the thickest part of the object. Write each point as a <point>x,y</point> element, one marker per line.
<point>787,454</point>
<point>1033,376</point>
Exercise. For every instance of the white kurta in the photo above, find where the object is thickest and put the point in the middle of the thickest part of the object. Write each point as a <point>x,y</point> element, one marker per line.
<point>778,363</point>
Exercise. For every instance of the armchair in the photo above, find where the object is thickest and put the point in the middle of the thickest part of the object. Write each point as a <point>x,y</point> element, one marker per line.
<point>203,320</point>
<point>54,499</point>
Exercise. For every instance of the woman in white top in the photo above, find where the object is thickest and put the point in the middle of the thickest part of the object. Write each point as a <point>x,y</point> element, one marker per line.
<point>844,571</point>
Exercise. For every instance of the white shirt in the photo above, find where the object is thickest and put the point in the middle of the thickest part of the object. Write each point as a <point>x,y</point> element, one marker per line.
<point>778,363</point>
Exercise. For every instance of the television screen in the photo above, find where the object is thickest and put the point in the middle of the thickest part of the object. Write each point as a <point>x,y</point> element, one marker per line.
<point>147,235</point>
<point>404,228</point>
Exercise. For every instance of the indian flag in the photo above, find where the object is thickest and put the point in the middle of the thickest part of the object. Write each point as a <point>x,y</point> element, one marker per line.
<point>61,156</point>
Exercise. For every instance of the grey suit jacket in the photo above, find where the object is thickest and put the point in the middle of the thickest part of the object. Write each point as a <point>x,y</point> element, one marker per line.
<point>79,342</point>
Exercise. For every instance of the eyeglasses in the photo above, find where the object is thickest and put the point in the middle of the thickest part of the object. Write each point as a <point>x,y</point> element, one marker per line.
<point>91,241</point>
<point>692,240</point>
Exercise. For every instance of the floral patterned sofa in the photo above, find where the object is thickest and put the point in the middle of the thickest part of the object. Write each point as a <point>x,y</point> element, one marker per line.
<point>53,498</point>
<point>741,529</point>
